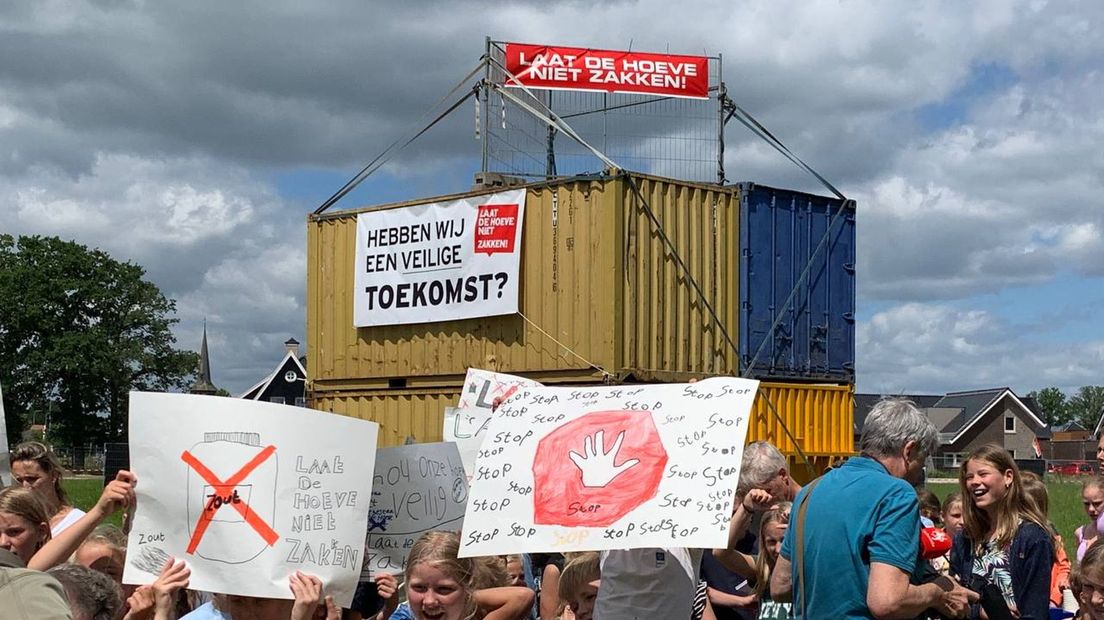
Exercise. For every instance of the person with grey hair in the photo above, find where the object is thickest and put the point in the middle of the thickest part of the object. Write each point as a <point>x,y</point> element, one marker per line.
<point>765,480</point>
<point>92,595</point>
<point>859,537</point>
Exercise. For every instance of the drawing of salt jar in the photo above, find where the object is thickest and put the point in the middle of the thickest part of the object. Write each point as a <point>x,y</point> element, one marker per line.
<point>228,536</point>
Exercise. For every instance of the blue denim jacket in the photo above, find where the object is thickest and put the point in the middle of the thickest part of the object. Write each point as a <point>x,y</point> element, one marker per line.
<point>1030,556</point>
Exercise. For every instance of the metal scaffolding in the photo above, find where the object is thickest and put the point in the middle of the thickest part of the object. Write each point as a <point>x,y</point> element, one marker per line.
<point>667,136</point>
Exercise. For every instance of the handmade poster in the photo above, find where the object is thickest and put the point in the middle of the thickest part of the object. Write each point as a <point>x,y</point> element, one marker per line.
<point>482,388</point>
<point>466,424</point>
<point>246,492</point>
<point>417,488</point>
<point>611,467</point>
<point>438,262</point>
<point>5,464</point>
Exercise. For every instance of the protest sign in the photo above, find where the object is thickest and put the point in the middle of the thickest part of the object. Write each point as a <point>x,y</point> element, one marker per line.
<point>573,68</point>
<point>466,424</point>
<point>5,464</point>
<point>611,467</point>
<point>438,262</point>
<point>246,492</point>
<point>416,489</point>
<point>482,388</point>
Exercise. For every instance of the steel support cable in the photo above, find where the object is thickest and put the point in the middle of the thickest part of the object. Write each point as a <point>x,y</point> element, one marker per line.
<point>762,132</point>
<point>555,122</point>
<point>383,157</point>
<point>552,119</point>
<point>712,312</point>
<point>548,116</point>
<point>758,129</point>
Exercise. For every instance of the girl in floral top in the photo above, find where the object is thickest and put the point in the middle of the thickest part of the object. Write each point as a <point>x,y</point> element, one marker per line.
<point>1004,539</point>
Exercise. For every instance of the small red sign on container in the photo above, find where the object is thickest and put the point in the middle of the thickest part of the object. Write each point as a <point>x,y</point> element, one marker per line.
<point>496,229</point>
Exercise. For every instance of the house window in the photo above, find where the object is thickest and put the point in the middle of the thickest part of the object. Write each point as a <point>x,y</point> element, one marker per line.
<point>300,401</point>
<point>953,459</point>
<point>279,400</point>
<point>1013,453</point>
<point>1010,424</point>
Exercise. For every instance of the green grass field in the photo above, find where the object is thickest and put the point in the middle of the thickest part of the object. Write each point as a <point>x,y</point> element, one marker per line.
<point>1066,511</point>
<point>83,493</point>
<point>1065,502</point>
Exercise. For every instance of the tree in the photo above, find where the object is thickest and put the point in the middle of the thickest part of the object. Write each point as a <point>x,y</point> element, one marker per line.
<point>1087,405</point>
<point>80,330</point>
<point>1054,404</point>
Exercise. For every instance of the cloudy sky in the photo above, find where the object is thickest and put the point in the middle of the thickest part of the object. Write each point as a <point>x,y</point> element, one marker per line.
<point>194,138</point>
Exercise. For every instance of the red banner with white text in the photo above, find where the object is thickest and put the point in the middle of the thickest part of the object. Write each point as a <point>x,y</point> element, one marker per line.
<point>571,68</point>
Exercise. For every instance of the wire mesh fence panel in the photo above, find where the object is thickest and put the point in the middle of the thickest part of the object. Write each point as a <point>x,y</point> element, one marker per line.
<point>668,136</point>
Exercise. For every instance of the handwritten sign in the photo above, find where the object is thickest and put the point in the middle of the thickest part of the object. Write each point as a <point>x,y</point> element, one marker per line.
<point>416,489</point>
<point>5,464</point>
<point>466,424</point>
<point>481,389</point>
<point>246,492</point>
<point>438,262</point>
<point>611,467</point>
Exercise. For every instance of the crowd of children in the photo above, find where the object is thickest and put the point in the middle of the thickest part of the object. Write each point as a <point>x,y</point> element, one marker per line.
<point>1005,549</point>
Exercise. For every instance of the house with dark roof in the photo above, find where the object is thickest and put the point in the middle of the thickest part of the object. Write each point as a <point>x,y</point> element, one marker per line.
<point>287,382</point>
<point>973,418</point>
<point>1071,442</point>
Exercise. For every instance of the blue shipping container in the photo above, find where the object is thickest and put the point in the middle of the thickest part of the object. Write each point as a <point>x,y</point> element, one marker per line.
<point>781,234</point>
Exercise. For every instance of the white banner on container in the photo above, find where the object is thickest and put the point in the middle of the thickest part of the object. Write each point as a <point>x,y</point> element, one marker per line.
<point>417,488</point>
<point>5,464</point>
<point>439,262</point>
<point>617,467</point>
<point>466,424</point>
<point>246,492</point>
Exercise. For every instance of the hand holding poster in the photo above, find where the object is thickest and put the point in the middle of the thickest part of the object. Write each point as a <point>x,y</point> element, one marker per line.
<point>573,68</point>
<point>618,467</point>
<point>440,261</point>
<point>248,492</point>
<point>417,488</point>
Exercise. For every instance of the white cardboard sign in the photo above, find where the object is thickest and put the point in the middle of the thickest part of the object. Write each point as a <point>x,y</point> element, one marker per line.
<point>612,467</point>
<point>416,489</point>
<point>440,261</point>
<point>247,492</point>
<point>466,424</point>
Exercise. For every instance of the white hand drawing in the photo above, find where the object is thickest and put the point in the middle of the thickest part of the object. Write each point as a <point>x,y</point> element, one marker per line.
<point>596,464</point>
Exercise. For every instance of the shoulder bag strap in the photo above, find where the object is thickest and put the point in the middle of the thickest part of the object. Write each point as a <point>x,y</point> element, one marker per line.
<point>799,544</point>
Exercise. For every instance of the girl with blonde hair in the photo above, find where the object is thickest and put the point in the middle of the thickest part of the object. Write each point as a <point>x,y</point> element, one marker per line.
<point>441,586</point>
<point>1005,539</point>
<point>772,529</point>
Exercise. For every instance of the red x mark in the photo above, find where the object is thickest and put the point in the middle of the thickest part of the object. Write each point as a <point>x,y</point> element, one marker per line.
<point>267,533</point>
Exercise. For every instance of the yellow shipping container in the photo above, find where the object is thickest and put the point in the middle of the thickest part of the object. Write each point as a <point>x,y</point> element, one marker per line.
<point>599,290</point>
<point>819,417</point>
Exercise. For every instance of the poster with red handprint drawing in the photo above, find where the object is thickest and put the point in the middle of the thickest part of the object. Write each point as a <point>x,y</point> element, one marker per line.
<point>610,467</point>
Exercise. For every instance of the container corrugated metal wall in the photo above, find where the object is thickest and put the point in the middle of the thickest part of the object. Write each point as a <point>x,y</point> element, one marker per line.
<point>668,329</point>
<point>400,413</point>
<point>595,275</point>
<point>779,233</point>
<point>820,417</point>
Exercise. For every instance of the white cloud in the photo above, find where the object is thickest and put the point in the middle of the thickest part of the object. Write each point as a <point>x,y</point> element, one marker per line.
<point>209,235</point>
<point>936,348</point>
